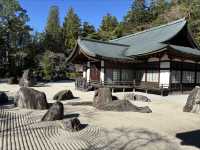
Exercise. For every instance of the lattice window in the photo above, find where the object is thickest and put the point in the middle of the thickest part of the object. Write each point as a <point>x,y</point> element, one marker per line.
<point>198,77</point>
<point>127,75</point>
<point>188,77</point>
<point>176,76</point>
<point>140,75</point>
<point>116,74</point>
<point>152,75</point>
<point>108,75</point>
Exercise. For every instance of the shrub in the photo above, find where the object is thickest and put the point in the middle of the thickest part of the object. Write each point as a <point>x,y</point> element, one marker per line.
<point>73,75</point>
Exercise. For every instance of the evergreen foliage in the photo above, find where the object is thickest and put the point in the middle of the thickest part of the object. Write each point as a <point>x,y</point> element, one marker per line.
<point>15,35</point>
<point>47,66</point>
<point>71,29</point>
<point>19,48</point>
<point>53,37</point>
<point>108,27</point>
<point>87,30</point>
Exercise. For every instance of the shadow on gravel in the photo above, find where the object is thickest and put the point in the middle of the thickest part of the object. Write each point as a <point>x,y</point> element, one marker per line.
<point>67,116</point>
<point>86,103</point>
<point>191,138</point>
<point>136,139</point>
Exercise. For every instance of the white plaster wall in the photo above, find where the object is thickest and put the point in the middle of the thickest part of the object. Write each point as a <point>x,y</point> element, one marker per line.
<point>164,78</point>
<point>84,74</point>
<point>153,59</point>
<point>102,74</point>
<point>88,72</point>
<point>165,57</point>
<point>164,74</point>
<point>143,76</point>
<point>164,64</point>
<point>176,59</point>
<point>189,61</point>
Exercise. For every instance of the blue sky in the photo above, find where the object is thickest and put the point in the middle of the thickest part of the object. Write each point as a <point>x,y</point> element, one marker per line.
<point>88,10</point>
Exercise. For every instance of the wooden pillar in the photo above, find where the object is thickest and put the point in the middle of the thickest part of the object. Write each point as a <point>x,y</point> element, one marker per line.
<point>170,77</point>
<point>88,72</point>
<point>145,71</point>
<point>159,72</point>
<point>195,76</point>
<point>181,82</point>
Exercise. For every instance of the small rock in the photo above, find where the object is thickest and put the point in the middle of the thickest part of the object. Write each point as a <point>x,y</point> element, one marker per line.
<point>114,98</point>
<point>3,98</point>
<point>13,80</point>
<point>136,97</point>
<point>73,124</point>
<point>31,99</point>
<point>63,95</point>
<point>55,112</point>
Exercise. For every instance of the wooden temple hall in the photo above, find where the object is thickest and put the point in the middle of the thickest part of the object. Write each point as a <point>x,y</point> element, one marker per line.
<point>163,58</point>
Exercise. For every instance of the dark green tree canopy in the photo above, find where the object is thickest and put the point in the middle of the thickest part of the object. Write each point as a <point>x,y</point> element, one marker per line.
<point>108,26</point>
<point>15,34</point>
<point>53,22</point>
<point>109,23</point>
<point>53,36</point>
<point>71,29</point>
<point>87,29</point>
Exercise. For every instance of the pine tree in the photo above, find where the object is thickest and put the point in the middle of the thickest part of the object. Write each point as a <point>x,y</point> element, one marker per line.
<point>53,40</point>
<point>15,34</point>
<point>107,28</point>
<point>53,23</point>
<point>137,18</point>
<point>87,29</point>
<point>109,23</point>
<point>71,29</point>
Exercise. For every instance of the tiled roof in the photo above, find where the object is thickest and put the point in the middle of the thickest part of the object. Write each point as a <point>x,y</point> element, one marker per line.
<point>141,43</point>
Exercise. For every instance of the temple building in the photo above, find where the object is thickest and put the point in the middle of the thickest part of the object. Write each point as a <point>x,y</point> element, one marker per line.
<point>163,58</point>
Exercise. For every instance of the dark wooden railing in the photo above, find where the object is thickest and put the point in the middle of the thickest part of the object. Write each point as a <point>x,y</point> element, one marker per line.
<point>112,84</point>
<point>182,86</point>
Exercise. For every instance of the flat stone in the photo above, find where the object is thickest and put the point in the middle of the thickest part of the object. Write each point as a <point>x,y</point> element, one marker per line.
<point>125,105</point>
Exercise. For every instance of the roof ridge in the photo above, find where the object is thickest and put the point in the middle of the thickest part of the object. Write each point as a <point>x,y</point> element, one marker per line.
<point>151,29</point>
<point>105,42</point>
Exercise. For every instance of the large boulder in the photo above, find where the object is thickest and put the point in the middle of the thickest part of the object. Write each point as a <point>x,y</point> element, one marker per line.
<point>73,124</point>
<point>136,97</point>
<point>55,112</point>
<point>125,105</point>
<point>102,96</point>
<point>63,95</point>
<point>3,98</point>
<point>103,101</point>
<point>193,101</point>
<point>27,79</point>
<point>31,99</point>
